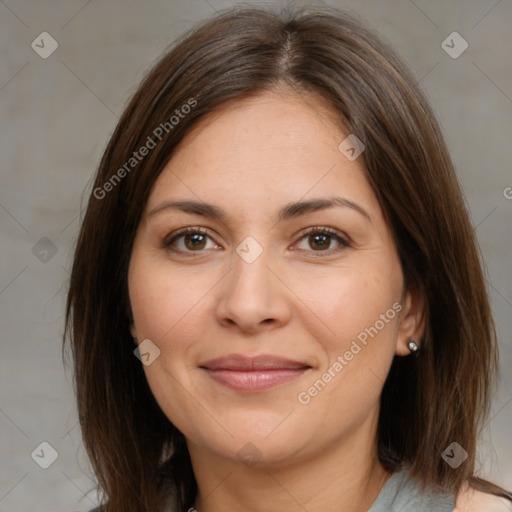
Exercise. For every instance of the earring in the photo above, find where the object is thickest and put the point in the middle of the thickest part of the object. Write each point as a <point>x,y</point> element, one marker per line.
<point>413,346</point>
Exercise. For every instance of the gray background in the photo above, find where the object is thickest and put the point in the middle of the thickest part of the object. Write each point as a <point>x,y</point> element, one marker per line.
<point>56,117</point>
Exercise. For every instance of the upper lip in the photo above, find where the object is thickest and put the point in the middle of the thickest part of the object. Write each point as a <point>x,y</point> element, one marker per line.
<point>252,363</point>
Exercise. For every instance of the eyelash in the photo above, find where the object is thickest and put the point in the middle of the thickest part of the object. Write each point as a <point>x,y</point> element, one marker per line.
<point>171,239</point>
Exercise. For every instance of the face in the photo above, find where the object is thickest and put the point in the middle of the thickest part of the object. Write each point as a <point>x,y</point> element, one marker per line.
<point>274,322</point>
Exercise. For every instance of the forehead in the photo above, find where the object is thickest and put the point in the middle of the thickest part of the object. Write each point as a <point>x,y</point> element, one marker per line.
<point>268,122</point>
<point>265,150</point>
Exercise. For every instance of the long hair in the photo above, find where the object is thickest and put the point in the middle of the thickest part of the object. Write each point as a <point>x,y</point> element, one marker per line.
<point>429,401</point>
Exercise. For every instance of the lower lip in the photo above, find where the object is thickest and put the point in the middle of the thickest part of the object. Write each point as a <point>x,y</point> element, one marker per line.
<point>254,381</point>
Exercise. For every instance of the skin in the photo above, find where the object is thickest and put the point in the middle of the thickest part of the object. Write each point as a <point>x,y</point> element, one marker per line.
<point>302,299</point>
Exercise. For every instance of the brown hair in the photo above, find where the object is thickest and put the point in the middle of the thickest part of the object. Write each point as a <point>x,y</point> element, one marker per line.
<point>429,401</point>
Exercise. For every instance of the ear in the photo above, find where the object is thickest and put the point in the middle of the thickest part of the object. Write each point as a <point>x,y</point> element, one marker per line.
<point>412,320</point>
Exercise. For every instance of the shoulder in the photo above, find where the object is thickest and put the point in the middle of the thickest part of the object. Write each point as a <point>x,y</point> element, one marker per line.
<point>471,500</point>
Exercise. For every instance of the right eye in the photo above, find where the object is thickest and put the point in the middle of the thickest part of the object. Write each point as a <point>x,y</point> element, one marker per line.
<point>193,240</point>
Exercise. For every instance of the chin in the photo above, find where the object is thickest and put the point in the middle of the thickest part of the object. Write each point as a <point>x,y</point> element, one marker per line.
<point>262,441</point>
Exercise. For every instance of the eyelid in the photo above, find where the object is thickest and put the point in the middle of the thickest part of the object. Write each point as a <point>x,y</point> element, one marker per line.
<point>185,231</point>
<point>342,238</point>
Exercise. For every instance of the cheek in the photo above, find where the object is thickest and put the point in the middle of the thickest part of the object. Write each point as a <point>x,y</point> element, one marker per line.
<point>164,300</point>
<point>167,309</point>
<point>362,313</point>
<point>348,301</point>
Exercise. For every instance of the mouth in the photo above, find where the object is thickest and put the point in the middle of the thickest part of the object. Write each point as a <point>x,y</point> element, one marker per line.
<point>253,374</point>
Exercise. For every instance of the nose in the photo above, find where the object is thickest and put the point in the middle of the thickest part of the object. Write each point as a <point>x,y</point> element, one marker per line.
<point>253,296</point>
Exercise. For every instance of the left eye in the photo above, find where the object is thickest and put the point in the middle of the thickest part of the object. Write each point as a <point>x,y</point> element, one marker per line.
<point>322,238</point>
<point>195,240</point>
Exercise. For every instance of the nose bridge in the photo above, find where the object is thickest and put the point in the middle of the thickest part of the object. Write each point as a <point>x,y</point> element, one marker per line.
<point>252,293</point>
<point>250,273</point>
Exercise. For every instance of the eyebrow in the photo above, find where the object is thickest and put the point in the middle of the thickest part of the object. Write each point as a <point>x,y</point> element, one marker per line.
<point>289,211</point>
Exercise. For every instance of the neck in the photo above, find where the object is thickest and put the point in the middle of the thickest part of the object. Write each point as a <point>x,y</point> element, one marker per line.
<point>345,477</point>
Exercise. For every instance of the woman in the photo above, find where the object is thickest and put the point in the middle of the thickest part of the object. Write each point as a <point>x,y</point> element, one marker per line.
<point>276,301</point>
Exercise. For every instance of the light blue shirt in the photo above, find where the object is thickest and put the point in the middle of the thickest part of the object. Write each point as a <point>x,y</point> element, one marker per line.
<point>403,494</point>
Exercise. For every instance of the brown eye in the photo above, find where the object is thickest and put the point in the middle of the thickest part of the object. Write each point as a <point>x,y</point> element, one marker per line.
<point>320,240</point>
<point>187,240</point>
<point>196,241</point>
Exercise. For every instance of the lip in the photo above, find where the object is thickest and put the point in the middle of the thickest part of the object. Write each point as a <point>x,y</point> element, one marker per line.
<point>253,374</point>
